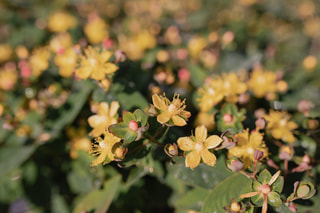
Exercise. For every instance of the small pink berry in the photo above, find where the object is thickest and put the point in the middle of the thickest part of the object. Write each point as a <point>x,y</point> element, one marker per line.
<point>184,75</point>
<point>133,125</point>
<point>227,118</point>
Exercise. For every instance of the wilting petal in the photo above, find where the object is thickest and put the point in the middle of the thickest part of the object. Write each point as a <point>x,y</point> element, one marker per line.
<point>208,157</point>
<point>83,72</point>
<point>163,118</point>
<point>185,143</point>
<point>212,141</point>
<point>193,159</point>
<point>201,133</point>
<point>114,108</point>
<point>178,121</point>
<point>158,102</point>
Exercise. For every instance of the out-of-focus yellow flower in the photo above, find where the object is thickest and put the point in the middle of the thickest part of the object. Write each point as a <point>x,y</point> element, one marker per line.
<point>95,64</point>
<point>280,126</point>
<point>262,82</point>
<point>8,79</point>
<point>232,87</point>
<point>79,141</point>
<point>39,60</point>
<point>205,119</point>
<point>1,109</point>
<point>22,52</point>
<point>310,62</point>
<point>61,21</point>
<point>135,46</point>
<point>60,42</point>
<point>96,30</point>
<point>171,113</point>
<point>312,27</point>
<point>5,52</point>
<point>104,118</point>
<point>23,130</point>
<point>246,146</point>
<point>197,147</point>
<point>66,62</point>
<point>196,45</point>
<point>210,94</point>
<point>104,149</point>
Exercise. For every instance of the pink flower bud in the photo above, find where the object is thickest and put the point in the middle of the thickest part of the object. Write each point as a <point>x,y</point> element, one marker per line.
<point>227,118</point>
<point>133,125</point>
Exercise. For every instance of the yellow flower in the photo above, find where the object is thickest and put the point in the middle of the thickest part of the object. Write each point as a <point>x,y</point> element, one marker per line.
<point>60,42</point>
<point>232,87</point>
<point>261,83</point>
<point>39,60</point>
<point>105,117</point>
<point>104,149</point>
<point>66,62</point>
<point>210,94</point>
<point>171,113</point>
<point>8,79</point>
<point>61,21</point>
<point>206,119</point>
<point>196,45</point>
<point>96,30</point>
<point>5,52</point>
<point>280,126</point>
<point>79,141</point>
<point>198,147</point>
<point>95,64</point>
<point>246,146</point>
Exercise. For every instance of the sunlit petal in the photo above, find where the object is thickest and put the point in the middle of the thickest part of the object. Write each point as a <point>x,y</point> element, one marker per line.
<point>201,133</point>
<point>208,157</point>
<point>177,120</point>
<point>185,143</point>
<point>193,159</point>
<point>212,141</point>
<point>163,118</point>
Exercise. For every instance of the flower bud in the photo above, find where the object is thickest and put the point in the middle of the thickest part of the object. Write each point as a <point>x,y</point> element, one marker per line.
<point>171,150</point>
<point>133,125</point>
<point>260,123</point>
<point>234,164</point>
<point>286,153</point>
<point>227,118</point>
<point>258,155</point>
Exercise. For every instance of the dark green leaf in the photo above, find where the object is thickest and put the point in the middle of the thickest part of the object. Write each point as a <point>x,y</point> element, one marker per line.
<point>225,191</point>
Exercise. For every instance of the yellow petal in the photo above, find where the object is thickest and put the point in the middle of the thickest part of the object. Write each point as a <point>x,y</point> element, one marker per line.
<point>105,56</point>
<point>212,141</point>
<point>157,102</point>
<point>114,108</point>
<point>103,108</point>
<point>110,68</point>
<point>96,120</point>
<point>208,157</point>
<point>256,138</point>
<point>185,143</point>
<point>292,125</point>
<point>163,118</point>
<point>178,121</point>
<point>201,133</point>
<point>83,72</point>
<point>185,114</point>
<point>193,159</point>
<point>98,74</point>
<point>277,133</point>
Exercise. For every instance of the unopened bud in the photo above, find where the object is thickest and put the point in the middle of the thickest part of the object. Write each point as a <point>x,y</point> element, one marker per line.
<point>235,207</point>
<point>120,56</point>
<point>258,155</point>
<point>260,123</point>
<point>286,153</point>
<point>313,124</point>
<point>171,150</point>
<point>133,125</point>
<point>227,118</point>
<point>228,143</point>
<point>234,164</point>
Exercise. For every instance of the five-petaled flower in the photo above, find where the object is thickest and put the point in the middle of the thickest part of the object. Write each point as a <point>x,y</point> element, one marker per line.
<point>171,113</point>
<point>104,118</point>
<point>104,149</point>
<point>197,147</point>
<point>95,64</point>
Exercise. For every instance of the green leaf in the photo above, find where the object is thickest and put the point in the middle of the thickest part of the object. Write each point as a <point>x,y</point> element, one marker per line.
<point>135,175</point>
<point>283,209</point>
<point>122,130</point>
<point>274,199</point>
<point>59,118</point>
<point>278,185</point>
<point>264,177</point>
<point>132,100</point>
<point>128,116</point>
<point>197,74</point>
<point>192,199</point>
<point>141,117</point>
<point>13,156</point>
<point>225,191</point>
<point>99,200</point>
<point>202,176</point>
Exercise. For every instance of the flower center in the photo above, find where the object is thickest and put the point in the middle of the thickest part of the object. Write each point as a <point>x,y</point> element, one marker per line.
<point>93,62</point>
<point>198,146</point>
<point>282,122</point>
<point>250,150</point>
<point>102,145</point>
<point>173,109</point>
